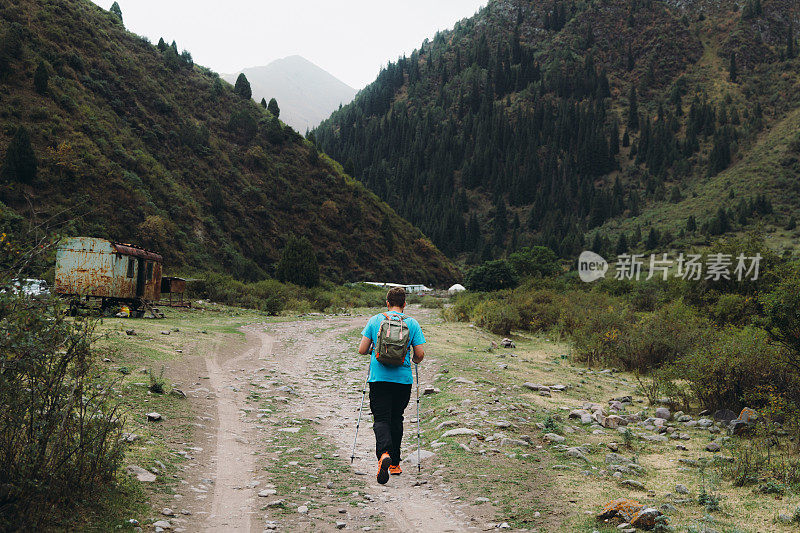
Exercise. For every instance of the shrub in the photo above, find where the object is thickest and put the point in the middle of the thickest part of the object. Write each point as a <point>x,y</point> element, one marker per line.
<point>728,365</point>
<point>298,263</point>
<point>462,307</point>
<point>62,444</point>
<point>539,260</point>
<point>491,276</point>
<point>430,302</point>
<point>497,316</point>
<point>157,383</point>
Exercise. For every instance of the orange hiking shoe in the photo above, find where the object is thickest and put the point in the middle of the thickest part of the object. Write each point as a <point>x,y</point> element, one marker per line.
<point>395,470</point>
<point>383,468</point>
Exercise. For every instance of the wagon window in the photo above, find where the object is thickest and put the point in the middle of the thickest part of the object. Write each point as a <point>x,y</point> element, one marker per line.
<point>149,271</point>
<point>131,263</point>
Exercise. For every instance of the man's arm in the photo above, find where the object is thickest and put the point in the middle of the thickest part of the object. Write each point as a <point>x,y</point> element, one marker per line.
<point>419,354</point>
<point>364,347</point>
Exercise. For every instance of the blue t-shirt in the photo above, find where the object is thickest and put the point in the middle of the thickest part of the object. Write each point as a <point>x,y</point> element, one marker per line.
<point>395,374</point>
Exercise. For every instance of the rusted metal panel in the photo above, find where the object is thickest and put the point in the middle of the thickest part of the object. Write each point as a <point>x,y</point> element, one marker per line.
<point>173,285</point>
<point>87,266</point>
<point>127,249</point>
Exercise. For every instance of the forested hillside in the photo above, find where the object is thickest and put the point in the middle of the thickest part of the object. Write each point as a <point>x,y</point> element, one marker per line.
<point>106,134</point>
<point>575,124</point>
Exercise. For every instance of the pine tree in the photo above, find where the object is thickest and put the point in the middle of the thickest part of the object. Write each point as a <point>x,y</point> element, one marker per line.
<point>273,108</point>
<point>622,244</point>
<point>242,87</point>
<point>630,61</point>
<point>633,110</point>
<point>20,163</point>
<point>41,78</point>
<point>162,46</point>
<point>387,234</point>
<point>264,104</point>
<point>732,71</point>
<point>652,239</point>
<point>298,263</point>
<point>115,9</point>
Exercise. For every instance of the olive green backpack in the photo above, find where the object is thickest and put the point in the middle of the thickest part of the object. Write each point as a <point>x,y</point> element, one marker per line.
<point>393,340</point>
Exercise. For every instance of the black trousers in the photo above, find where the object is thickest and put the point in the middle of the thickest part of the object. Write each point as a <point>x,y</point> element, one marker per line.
<point>388,401</point>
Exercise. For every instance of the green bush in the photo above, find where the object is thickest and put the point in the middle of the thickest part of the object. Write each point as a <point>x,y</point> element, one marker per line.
<point>430,302</point>
<point>536,261</point>
<point>298,263</point>
<point>60,433</point>
<point>491,276</point>
<point>497,316</point>
<point>725,368</point>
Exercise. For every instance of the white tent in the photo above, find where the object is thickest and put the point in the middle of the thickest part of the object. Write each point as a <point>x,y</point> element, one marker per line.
<point>456,288</point>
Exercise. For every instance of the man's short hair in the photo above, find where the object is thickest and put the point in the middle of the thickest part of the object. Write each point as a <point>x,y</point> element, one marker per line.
<point>396,297</point>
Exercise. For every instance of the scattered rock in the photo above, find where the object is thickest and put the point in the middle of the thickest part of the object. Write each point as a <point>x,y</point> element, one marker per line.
<point>130,332</point>
<point>738,427</point>
<point>632,483</point>
<point>512,442</point>
<point>508,343</point>
<point>724,415</point>
<point>681,489</point>
<point>748,415</point>
<point>447,423</point>
<point>303,509</point>
<point>623,508</point>
<point>663,412</point>
<point>163,524</point>
<point>276,503</point>
<point>153,417</point>
<point>141,474</point>
<point>165,332</point>
<point>267,492</point>
<point>646,519</point>
<point>166,511</point>
<point>459,431</point>
<point>423,456</point>
<point>341,525</point>
<point>430,390</point>
<point>712,447</point>
<point>553,437</point>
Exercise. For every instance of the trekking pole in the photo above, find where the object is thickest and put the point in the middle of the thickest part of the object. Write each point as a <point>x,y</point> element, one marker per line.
<point>419,442</point>
<point>360,409</point>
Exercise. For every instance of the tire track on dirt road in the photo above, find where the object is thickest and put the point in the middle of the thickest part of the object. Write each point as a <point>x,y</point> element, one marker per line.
<point>326,388</point>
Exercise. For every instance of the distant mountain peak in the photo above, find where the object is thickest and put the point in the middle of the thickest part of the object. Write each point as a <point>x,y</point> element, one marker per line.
<point>306,93</point>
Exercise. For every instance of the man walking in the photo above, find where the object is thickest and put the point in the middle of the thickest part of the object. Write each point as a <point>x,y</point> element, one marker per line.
<point>390,379</point>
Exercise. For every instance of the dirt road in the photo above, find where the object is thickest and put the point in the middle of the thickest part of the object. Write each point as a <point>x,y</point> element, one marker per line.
<point>291,390</point>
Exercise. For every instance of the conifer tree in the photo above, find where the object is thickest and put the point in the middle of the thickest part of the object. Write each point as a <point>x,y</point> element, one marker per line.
<point>633,110</point>
<point>20,163</point>
<point>264,103</point>
<point>41,78</point>
<point>732,71</point>
<point>273,108</point>
<point>630,63</point>
<point>242,87</point>
<point>161,44</point>
<point>115,9</point>
<point>298,263</point>
<point>691,224</point>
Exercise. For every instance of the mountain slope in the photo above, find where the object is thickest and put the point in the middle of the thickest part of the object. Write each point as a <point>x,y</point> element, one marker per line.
<point>552,122</point>
<point>306,94</point>
<point>138,144</point>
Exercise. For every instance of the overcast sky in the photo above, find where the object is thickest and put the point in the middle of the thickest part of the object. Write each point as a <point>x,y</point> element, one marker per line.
<point>351,39</point>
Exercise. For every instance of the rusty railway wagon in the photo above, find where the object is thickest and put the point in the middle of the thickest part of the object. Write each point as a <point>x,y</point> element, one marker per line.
<point>94,272</point>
